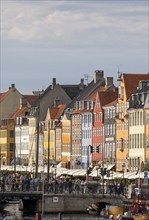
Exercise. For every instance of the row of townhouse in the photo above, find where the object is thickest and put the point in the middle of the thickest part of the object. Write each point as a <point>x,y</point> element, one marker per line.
<point>65,123</point>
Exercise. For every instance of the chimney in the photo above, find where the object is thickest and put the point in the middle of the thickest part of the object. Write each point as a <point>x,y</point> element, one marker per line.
<point>53,83</point>
<point>81,86</point>
<point>109,82</point>
<point>56,102</point>
<point>98,74</point>
<point>12,86</point>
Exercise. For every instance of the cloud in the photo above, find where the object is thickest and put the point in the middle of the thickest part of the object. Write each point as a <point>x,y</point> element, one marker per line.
<point>65,39</point>
<point>58,23</point>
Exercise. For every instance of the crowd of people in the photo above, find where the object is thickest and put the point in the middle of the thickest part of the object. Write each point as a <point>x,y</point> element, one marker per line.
<point>26,182</point>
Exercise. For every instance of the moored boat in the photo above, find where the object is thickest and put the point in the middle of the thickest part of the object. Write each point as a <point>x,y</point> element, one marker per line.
<point>115,210</point>
<point>96,208</point>
<point>136,217</point>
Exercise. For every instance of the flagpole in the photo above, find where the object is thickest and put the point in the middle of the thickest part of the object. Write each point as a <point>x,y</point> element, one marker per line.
<point>138,171</point>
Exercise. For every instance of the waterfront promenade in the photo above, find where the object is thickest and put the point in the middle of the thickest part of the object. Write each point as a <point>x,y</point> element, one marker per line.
<point>56,195</point>
<point>63,194</point>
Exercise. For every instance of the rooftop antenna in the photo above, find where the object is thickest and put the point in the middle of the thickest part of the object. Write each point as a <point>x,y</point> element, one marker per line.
<point>119,73</point>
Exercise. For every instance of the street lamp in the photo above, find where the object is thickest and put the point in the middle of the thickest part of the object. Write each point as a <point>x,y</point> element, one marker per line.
<point>90,149</point>
<point>43,182</point>
<point>97,168</point>
<point>48,166</point>
<point>123,168</point>
<point>33,167</point>
<point>20,141</point>
<point>54,174</point>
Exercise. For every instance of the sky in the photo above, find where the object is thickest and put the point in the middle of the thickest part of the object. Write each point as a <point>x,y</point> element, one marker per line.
<point>66,40</point>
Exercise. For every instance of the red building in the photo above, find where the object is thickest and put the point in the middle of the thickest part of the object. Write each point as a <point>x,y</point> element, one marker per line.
<point>102,98</point>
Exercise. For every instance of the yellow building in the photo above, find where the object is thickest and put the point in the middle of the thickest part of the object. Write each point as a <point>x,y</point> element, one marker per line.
<point>147,130</point>
<point>127,85</point>
<point>147,133</point>
<point>7,141</point>
<point>52,133</point>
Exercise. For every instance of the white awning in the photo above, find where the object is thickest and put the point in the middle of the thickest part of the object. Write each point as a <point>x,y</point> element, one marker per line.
<point>81,172</point>
<point>139,175</point>
<point>110,166</point>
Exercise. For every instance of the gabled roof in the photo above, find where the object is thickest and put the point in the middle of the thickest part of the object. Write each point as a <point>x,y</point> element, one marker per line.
<point>107,97</point>
<point>56,112</point>
<point>72,90</point>
<point>19,112</point>
<point>48,98</point>
<point>30,98</point>
<point>131,82</point>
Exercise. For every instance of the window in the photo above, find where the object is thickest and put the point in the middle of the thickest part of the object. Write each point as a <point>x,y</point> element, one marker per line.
<point>113,129</point>
<point>105,129</point>
<point>11,147</point>
<point>108,130</point>
<point>3,133</point>
<point>11,133</point>
<point>105,113</point>
<point>113,113</point>
<point>108,113</point>
<point>147,118</point>
<point>147,142</point>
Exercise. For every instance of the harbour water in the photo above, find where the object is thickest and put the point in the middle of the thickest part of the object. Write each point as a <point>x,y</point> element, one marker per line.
<point>14,210</point>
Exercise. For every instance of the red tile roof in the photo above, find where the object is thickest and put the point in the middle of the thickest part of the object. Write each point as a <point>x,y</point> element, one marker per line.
<point>56,112</point>
<point>93,95</point>
<point>18,112</point>
<point>3,95</point>
<point>131,82</point>
<point>107,97</point>
<point>31,98</point>
<point>113,103</point>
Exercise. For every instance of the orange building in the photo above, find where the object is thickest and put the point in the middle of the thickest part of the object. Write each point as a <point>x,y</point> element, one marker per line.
<point>66,139</point>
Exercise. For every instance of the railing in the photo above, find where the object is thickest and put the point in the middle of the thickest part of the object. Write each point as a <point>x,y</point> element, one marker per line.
<point>65,188</point>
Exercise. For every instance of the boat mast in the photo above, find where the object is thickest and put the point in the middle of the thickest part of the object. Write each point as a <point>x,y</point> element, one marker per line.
<point>37,129</point>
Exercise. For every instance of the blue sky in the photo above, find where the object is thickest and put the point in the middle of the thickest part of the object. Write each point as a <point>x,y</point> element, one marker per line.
<point>43,39</point>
